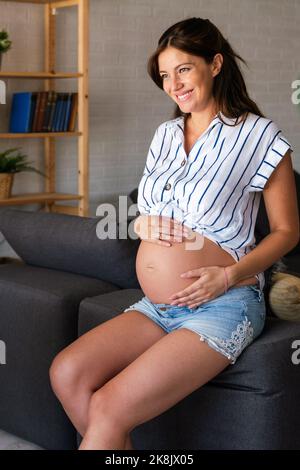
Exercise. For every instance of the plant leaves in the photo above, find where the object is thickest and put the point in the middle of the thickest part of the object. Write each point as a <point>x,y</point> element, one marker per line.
<point>16,163</point>
<point>5,42</point>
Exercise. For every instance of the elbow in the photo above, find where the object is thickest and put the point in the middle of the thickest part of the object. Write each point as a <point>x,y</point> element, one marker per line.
<point>294,238</point>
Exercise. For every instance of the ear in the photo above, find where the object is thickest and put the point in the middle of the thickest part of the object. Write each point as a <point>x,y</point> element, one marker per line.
<point>217,64</point>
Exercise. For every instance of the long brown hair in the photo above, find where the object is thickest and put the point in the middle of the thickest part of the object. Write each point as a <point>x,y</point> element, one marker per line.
<point>200,37</point>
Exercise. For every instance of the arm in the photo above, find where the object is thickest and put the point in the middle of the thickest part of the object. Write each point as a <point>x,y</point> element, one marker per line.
<point>280,199</point>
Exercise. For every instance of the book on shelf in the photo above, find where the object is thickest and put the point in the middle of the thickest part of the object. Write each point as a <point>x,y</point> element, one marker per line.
<point>20,115</point>
<point>67,115</point>
<point>73,112</point>
<point>48,125</point>
<point>46,117</point>
<point>43,111</point>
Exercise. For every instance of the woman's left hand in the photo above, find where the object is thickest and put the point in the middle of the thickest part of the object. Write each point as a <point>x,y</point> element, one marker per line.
<point>210,283</point>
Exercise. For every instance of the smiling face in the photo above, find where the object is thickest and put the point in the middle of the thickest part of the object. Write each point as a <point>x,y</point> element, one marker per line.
<point>188,79</point>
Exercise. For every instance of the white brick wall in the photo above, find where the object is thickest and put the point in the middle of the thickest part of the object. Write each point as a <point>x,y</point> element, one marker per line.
<point>125,106</point>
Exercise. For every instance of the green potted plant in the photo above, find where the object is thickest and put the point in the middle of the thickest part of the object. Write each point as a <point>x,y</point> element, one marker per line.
<point>5,43</point>
<point>12,161</point>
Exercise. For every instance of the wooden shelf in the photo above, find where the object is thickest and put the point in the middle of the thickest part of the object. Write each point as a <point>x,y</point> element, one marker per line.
<point>49,74</point>
<point>39,75</point>
<point>33,135</point>
<point>38,197</point>
<point>45,2</point>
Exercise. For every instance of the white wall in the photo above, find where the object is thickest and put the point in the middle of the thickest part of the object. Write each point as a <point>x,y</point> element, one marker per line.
<point>125,105</point>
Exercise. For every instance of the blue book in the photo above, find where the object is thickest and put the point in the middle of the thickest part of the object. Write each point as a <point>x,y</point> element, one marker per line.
<point>20,112</point>
<point>62,112</point>
<point>57,113</point>
<point>32,110</point>
<point>68,112</point>
<point>54,119</point>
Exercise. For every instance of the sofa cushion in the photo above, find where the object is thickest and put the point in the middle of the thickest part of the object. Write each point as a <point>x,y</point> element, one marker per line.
<point>253,404</point>
<point>39,317</point>
<point>70,243</point>
<point>105,307</point>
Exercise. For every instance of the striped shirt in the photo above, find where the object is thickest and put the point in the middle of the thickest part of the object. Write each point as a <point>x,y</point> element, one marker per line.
<point>216,189</point>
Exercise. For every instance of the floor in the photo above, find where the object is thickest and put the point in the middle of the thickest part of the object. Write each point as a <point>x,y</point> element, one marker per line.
<point>11,442</point>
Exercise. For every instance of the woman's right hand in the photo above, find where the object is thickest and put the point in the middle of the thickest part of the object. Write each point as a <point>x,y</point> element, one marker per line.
<point>160,230</point>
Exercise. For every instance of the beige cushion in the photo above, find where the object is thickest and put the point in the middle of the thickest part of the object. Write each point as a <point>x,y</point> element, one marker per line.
<point>284,296</point>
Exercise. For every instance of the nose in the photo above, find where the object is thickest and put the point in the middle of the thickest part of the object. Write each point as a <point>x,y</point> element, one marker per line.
<point>175,84</point>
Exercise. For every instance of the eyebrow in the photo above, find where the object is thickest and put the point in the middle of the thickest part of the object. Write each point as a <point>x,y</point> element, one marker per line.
<point>185,63</point>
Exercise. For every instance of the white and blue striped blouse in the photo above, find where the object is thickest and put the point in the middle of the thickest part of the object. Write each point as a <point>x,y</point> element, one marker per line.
<point>216,189</point>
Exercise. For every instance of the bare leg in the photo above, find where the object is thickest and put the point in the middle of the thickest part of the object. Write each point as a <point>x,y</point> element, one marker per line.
<point>128,443</point>
<point>108,435</point>
<point>164,374</point>
<point>78,416</point>
<point>93,359</point>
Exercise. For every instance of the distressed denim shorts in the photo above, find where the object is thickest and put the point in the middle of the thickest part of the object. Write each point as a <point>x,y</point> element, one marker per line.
<point>229,323</point>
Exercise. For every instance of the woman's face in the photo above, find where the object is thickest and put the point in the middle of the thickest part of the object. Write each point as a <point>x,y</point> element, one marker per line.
<point>188,79</point>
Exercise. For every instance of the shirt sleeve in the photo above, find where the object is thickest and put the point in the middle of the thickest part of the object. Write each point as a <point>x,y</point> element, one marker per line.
<point>274,148</point>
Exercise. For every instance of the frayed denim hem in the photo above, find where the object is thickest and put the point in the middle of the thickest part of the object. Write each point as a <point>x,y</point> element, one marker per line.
<point>214,345</point>
<point>240,339</point>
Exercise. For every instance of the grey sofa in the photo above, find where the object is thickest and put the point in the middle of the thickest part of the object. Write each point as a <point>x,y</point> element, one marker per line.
<point>69,282</point>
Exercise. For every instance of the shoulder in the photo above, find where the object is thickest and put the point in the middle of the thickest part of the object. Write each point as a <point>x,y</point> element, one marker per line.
<point>168,127</point>
<point>272,139</point>
<point>262,124</point>
<point>171,124</point>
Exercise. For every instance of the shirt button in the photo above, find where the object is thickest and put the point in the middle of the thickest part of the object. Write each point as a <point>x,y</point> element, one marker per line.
<point>168,186</point>
<point>183,163</point>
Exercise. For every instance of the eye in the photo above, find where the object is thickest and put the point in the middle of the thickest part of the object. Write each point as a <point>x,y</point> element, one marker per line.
<point>164,75</point>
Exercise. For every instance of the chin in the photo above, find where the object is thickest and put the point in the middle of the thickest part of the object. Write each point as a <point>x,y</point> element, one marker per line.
<point>186,110</point>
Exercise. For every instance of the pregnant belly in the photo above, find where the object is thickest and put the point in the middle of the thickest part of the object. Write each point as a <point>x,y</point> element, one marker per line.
<point>158,267</point>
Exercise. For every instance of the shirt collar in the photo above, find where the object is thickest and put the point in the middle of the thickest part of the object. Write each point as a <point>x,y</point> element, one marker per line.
<point>178,123</point>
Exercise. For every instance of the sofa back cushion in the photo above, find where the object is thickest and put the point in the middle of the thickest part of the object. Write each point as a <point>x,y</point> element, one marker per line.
<point>70,243</point>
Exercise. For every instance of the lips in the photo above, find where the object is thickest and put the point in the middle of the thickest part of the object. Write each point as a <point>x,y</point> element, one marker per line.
<point>184,96</point>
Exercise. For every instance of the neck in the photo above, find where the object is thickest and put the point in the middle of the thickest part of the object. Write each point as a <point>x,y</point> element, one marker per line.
<point>202,119</point>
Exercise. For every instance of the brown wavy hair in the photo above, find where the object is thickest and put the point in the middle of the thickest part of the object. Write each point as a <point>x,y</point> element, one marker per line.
<point>200,37</point>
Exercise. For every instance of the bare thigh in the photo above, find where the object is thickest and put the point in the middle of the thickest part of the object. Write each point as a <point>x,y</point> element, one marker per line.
<point>104,351</point>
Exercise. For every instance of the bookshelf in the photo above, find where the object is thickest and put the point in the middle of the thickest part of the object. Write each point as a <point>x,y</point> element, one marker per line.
<point>50,197</point>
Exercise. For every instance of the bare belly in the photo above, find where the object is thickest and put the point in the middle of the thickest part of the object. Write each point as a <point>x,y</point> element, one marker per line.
<point>158,267</point>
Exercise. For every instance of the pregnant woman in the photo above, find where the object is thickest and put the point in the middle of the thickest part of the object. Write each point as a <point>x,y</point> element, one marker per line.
<point>199,268</point>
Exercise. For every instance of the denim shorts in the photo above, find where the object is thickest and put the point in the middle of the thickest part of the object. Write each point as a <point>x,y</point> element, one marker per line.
<point>229,323</point>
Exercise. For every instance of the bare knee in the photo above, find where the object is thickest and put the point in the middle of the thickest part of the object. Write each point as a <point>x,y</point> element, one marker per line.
<point>64,374</point>
<point>99,408</point>
<point>103,409</point>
